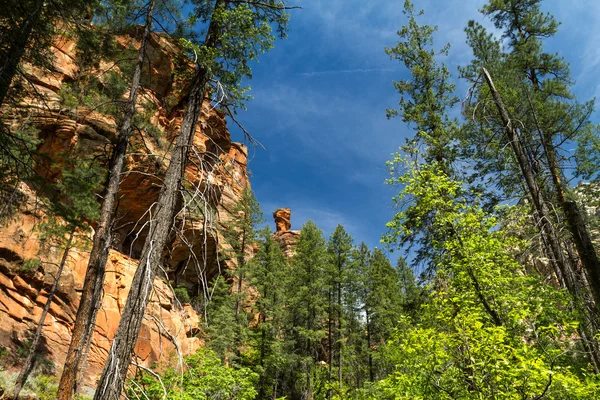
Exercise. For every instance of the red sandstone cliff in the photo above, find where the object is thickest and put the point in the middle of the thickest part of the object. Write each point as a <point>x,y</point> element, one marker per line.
<point>193,252</point>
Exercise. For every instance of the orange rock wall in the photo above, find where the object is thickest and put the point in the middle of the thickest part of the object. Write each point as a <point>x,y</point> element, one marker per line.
<point>169,327</point>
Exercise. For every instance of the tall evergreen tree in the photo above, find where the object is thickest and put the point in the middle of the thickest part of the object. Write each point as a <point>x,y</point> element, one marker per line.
<point>221,324</point>
<point>383,303</point>
<point>91,295</point>
<point>268,272</point>
<point>534,87</point>
<point>307,307</point>
<point>71,206</point>
<point>428,94</point>
<point>339,249</point>
<point>424,105</point>
<point>360,315</point>
<point>235,33</point>
<point>240,234</point>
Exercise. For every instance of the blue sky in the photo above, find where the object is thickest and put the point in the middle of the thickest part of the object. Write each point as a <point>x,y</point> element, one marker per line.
<point>320,98</point>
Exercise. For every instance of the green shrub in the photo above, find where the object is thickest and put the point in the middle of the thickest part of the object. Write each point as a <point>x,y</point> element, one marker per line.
<point>182,294</point>
<point>204,378</point>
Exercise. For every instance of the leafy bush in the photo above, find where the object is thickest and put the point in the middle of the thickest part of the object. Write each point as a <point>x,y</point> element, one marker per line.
<point>40,387</point>
<point>182,294</point>
<point>205,378</point>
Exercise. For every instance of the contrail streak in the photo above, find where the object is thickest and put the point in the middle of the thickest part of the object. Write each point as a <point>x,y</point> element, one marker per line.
<point>346,71</point>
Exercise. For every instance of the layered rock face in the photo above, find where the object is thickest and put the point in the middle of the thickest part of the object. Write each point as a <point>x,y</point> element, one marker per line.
<point>215,178</point>
<point>286,238</point>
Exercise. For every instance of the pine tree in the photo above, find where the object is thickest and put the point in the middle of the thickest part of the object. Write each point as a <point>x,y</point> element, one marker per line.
<point>268,272</point>
<point>383,303</point>
<point>339,249</point>
<point>91,295</point>
<point>424,105</point>
<point>235,34</point>
<point>359,316</point>
<point>412,293</point>
<point>428,94</point>
<point>307,306</point>
<point>551,113</point>
<point>70,209</point>
<point>240,234</point>
<point>221,325</point>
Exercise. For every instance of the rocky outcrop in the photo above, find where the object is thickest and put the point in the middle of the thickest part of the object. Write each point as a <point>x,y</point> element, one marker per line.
<point>215,178</point>
<point>286,238</point>
<point>282,219</point>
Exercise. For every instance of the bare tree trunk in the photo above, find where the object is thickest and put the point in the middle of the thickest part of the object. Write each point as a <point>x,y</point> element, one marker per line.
<point>576,224</point>
<point>113,376</point>
<point>91,296</point>
<point>340,335</point>
<point>241,259</point>
<point>539,202</point>
<point>30,360</point>
<point>10,62</point>
<point>309,392</point>
<point>329,342</point>
<point>371,373</point>
<point>572,282</point>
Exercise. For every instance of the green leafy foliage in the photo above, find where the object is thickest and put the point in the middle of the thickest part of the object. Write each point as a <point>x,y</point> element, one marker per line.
<point>205,378</point>
<point>489,330</point>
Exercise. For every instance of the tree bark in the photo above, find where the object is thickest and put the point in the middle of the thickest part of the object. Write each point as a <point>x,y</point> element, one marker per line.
<point>340,335</point>
<point>329,342</point>
<point>572,283</point>
<point>30,360</point>
<point>538,200</point>
<point>368,326</point>
<point>91,296</point>
<point>15,53</point>
<point>114,373</point>
<point>576,224</point>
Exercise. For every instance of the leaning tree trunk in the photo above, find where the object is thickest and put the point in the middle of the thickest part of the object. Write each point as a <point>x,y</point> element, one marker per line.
<point>547,230</point>
<point>537,197</point>
<point>575,222</point>
<point>30,360</point>
<point>91,296</point>
<point>114,373</point>
<point>10,62</point>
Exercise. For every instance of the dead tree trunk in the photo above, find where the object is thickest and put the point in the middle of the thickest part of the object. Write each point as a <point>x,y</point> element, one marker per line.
<point>572,283</point>
<point>537,197</point>
<point>575,223</point>
<point>114,373</point>
<point>91,296</point>
<point>30,360</point>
